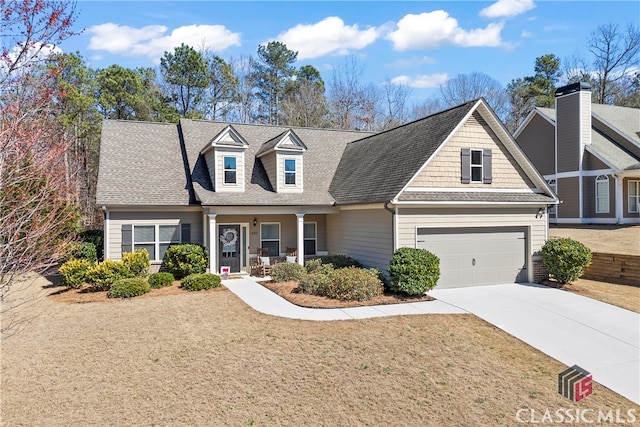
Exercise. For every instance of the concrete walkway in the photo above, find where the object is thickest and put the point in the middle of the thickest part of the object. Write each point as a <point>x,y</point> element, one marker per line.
<point>268,302</point>
<point>575,330</point>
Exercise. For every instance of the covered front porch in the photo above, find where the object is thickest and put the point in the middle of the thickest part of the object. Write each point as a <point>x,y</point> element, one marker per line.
<point>234,234</point>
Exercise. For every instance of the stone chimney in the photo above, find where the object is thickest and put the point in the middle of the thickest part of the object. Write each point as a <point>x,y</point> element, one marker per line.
<point>573,125</point>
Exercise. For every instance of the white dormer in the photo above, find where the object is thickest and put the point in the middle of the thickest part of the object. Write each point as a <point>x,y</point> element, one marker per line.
<point>282,158</point>
<point>225,159</point>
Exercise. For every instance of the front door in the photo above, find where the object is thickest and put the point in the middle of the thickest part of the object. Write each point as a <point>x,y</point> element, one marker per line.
<point>229,252</point>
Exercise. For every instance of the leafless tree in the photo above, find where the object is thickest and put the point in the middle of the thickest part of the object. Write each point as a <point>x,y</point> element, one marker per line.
<point>395,104</point>
<point>467,87</point>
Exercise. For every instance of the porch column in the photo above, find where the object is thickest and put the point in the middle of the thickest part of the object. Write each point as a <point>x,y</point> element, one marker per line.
<point>204,229</point>
<point>618,198</point>
<point>300,238</point>
<point>213,238</point>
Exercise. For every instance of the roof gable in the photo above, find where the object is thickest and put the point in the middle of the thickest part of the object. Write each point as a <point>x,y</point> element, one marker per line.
<point>227,137</point>
<point>286,141</point>
<point>375,169</point>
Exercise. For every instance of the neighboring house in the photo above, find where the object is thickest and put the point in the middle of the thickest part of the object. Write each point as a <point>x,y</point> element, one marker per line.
<point>455,183</point>
<point>589,154</point>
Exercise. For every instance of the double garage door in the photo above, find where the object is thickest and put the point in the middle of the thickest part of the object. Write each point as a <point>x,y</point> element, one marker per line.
<point>477,256</point>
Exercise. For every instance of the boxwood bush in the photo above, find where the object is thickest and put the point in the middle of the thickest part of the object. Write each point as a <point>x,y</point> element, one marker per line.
<point>316,282</point>
<point>128,288</point>
<point>200,281</point>
<point>413,271</point>
<point>185,259</point>
<point>102,275</point>
<point>353,284</point>
<point>96,237</point>
<point>160,280</point>
<point>74,271</point>
<point>83,250</point>
<point>340,261</point>
<point>565,259</point>
<point>285,271</point>
<point>137,262</point>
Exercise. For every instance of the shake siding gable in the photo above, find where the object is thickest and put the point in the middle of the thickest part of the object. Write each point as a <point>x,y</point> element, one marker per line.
<point>444,169</point>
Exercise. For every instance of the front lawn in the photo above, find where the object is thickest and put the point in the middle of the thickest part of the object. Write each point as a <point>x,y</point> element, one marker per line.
<point>206,358</point>
<point>625,296</point>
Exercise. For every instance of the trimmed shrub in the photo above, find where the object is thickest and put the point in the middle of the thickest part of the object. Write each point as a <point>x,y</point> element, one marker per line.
<point>160,280</point>
<point>128,288</point>
<point>353,284</point>
<point>312,264</point>
<point>340,261</point>
<point>199,281</point>
<point>137,262</point>
<point>96,237</point>
<point>186,259</point>
<point>83,250</point>
<point>74,271</point>
<point>285,271</point>
<point>101,276</point>
<point>316,283</point>
<point>413,271</point>
<point>565,259</point>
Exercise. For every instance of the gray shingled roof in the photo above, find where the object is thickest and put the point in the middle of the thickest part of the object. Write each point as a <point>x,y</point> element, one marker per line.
<point>454,196</point>
<point>376,168</point>
<point>140,164</point>
<point>324,149</point>
<point>625,120</point>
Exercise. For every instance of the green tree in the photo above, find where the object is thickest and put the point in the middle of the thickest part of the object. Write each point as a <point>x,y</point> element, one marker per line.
<point>304,102</point>
<point>273,70</point>
<point>223,87</point>
<point>121,94</point>
<point>185,71</point>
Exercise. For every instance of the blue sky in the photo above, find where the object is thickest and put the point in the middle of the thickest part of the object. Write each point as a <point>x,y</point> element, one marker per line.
<point>417,43</point>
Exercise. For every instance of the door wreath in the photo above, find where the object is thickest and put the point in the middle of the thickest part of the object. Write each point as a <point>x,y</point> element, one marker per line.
<point>229,237</point>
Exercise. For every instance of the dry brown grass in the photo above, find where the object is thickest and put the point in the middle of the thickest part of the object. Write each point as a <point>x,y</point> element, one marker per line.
<point>615,239</point>
<point>625,296</point>
<point>205,358</point>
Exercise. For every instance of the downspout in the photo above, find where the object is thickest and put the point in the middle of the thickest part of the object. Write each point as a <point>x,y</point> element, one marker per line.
<point>393,211</point>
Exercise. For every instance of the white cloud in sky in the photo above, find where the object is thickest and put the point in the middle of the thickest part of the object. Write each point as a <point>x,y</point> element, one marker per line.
<point>152,40</point>
<point>424,81</point>
<point>330,35</point>
<point>437,28</point>
<point>507,8</point>
<point>526,34</point>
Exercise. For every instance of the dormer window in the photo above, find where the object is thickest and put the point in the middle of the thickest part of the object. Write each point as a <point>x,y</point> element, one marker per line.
<point>290,172</point>
<point>230,170</point>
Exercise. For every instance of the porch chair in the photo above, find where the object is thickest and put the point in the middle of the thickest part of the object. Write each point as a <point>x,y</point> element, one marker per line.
<point>292,254</point>
<point>264,262</point>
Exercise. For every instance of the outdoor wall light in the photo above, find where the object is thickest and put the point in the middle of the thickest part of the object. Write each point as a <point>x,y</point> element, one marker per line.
<point>255,221</point>
<point>540,213</point>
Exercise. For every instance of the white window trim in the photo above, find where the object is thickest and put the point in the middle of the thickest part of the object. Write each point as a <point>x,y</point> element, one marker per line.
<point>225,170</point>
<point>315,237</point>
<point>601,179</point>
<point>156,237</point>
<point>294,172</point>
<point>472,165</point>
<point>637,196</point>
<point>279,240</point>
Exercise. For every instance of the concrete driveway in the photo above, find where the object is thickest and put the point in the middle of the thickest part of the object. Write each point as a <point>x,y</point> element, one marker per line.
<point>575,330</point>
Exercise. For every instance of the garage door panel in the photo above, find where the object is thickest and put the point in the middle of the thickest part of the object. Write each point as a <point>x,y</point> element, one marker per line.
<point>471,257</point>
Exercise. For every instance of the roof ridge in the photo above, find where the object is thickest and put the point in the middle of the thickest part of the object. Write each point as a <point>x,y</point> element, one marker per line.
<point>285,127</point>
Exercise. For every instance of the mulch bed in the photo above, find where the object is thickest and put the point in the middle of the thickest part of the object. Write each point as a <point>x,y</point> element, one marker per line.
<point>288,290</point>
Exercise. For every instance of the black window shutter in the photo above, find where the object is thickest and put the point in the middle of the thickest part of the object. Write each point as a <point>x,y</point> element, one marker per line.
<point>486,166</point>
<point>127,238</point>
<point>185,233</point>
<point>465,170</point>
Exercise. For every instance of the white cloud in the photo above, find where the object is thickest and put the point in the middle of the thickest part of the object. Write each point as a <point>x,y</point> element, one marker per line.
<point>22,55</point>
<point>437,28</point>
<point>423,81</point>
<point>526,34</point>
<point>152,40</point>
<point>330,35</point>
<point>507,8</point>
